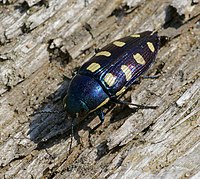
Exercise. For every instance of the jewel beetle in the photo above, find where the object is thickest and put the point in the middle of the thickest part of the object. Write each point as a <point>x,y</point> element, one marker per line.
<point>107,75</point>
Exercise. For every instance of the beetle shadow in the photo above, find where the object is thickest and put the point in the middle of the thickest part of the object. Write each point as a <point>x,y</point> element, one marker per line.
<point>49,129</point>
<point>118,115</point>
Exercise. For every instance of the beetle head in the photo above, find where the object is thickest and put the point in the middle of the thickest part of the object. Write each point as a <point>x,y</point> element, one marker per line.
<point>75,107</point>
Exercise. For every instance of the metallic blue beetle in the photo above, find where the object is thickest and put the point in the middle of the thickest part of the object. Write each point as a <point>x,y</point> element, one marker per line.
<point>109,73</point>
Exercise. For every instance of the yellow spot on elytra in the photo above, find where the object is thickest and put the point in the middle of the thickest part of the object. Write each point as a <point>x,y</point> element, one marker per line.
<point>119,43</point>
<point>127,72</point>
<point>135,35</point>
<point>93,67</point>
<point>104,53</point>
<point>139,59</point>
<point>109,79</point>
<point>121,91</point>
<point>151,47</point>
<point>102,104</point>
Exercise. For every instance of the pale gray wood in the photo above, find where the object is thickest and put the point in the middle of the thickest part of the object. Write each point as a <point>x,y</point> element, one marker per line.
<point>38,37</point>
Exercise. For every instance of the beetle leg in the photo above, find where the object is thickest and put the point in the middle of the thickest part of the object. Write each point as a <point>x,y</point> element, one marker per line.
<point>117,101</point>
<point>75,71</point>
<point>100,113</point>
<point>97,50</point>
<point>151,77</point>
<point>72,133</point>
<point>138,80</point>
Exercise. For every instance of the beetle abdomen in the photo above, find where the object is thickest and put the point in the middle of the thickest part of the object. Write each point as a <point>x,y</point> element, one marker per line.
<point>121,62</point>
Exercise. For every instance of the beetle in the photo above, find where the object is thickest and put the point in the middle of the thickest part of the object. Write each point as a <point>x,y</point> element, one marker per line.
<point>107,75</point>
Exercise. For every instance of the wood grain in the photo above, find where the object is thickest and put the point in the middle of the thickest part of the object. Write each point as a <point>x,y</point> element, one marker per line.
<point>42,43</point>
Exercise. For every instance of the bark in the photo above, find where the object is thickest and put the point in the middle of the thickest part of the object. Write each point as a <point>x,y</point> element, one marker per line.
<point>42,43</point>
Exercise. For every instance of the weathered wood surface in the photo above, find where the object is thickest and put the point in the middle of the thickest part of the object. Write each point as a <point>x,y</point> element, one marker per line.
<point>41,41</point>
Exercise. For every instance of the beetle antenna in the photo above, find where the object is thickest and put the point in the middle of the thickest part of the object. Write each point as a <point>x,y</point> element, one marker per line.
<point>72,134</point>
<point>47,112</point>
